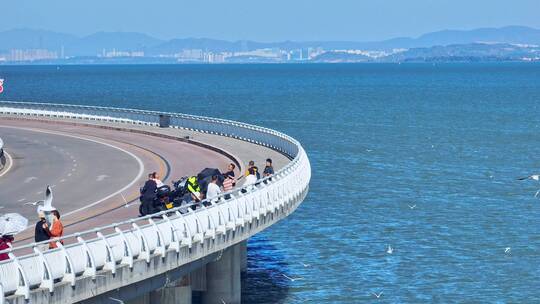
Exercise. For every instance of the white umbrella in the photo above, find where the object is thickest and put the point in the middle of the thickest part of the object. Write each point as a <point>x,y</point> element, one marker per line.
<point>12,223</point>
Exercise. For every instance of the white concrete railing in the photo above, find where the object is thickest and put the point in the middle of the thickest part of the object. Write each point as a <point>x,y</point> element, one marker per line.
<point>131,240</point>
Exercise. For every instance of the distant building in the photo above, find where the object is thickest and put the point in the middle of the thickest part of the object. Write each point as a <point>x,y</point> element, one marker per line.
<point>115,54</point>
<point>31,55</point>
<point>188,55</point>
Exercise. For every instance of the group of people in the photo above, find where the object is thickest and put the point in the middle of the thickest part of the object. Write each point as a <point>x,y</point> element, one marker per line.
<point>48,228</point>
<point>252,173</point>
<point>197,189</point>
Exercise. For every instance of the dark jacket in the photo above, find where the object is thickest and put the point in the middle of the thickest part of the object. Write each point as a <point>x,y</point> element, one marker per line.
<point>41,234</point>
<point>149,189</point>
<point>4,244</point>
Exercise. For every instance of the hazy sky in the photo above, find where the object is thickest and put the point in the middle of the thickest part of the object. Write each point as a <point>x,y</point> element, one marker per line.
<point>268,20</point>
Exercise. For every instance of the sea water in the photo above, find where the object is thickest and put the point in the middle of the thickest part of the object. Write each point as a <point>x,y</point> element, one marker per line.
<point>419,157</point>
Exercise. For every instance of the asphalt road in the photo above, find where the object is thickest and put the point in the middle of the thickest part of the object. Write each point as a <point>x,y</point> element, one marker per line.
<point>80,170</point>
<point>90,169</point>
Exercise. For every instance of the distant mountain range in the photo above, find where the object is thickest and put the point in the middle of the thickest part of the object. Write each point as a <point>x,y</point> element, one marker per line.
<point>125,41</point>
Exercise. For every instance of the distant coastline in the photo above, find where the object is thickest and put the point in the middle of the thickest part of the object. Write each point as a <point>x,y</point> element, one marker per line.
<point>25,46</point>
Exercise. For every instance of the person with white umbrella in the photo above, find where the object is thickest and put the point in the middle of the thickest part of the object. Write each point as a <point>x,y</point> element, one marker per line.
<point>10,224</point>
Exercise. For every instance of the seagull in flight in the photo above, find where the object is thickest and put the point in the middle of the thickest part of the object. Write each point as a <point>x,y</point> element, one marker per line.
<point>536,177</point>
<point>412,206</point>
<point>305,265</point>
<point>291,279</point>
<point>507,250</point>
<point>33,203</point>
<point>377,295</point>
<point>390,250</point>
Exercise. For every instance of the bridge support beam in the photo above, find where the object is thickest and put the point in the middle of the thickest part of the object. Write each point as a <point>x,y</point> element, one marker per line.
<point>171,295</point>
<point>223,284</point>
<point>243,256</point>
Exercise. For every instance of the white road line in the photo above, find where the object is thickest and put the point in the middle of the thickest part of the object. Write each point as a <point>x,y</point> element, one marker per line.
<point>29,179</point>
<point>9,162</point>
<point>139,162</point>
<point>101,177</point>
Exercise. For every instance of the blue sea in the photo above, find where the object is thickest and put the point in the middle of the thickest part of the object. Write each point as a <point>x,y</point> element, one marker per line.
<point>422,158</point>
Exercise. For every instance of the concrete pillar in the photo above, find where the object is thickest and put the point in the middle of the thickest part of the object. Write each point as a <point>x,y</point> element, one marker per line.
<point>243,256</point>
<point>197,279</point>
<point>223,278</point>
<point>178,292</point>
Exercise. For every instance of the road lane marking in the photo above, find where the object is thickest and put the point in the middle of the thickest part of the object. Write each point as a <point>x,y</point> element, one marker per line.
<point>101,177</point>
<point>29,179</point>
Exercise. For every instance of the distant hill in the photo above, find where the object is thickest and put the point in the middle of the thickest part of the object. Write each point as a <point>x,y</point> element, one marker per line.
<point>73,45</point>
<point>124,41</point>
<point>467,52</point>
<point>340,57</point>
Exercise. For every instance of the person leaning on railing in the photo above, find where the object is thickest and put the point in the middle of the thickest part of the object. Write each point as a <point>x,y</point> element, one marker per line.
<point>41,232</point>
<point>56,231</point>
<point>194,190</point>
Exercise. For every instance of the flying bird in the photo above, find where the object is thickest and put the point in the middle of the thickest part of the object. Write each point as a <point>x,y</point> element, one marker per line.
<point>291,279</point>
<point>507,250</point>
<point>377,295</point>
<point>33,203</point>
<point>305,265</point>
<point>536,177</point>
<point>390,250</point>
<point>412,206</point>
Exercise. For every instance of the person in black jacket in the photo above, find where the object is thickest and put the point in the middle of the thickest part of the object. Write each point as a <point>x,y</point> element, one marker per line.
<point>42,232</point>
<point>148,194</point>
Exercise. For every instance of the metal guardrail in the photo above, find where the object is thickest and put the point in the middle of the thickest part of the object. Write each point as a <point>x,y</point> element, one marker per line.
<point>140,238</point>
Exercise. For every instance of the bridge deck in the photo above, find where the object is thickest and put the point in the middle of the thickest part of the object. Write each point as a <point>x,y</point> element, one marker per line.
<point>104,168</point>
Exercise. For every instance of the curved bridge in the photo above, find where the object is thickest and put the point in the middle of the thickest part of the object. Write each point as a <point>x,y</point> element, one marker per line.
<point>170,252</point>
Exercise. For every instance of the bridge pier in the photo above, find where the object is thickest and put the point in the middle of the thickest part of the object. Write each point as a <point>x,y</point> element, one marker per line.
<point>223,284</point>
<point>243,256</point>
<point>176,294</point>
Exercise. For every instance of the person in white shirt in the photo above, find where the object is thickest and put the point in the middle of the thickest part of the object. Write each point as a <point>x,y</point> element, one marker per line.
<point>155,177</point>
<point>213,189</point>
<point>251,179</point>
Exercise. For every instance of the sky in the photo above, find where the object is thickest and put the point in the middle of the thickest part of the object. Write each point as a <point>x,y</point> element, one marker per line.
<point>276,20</point>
